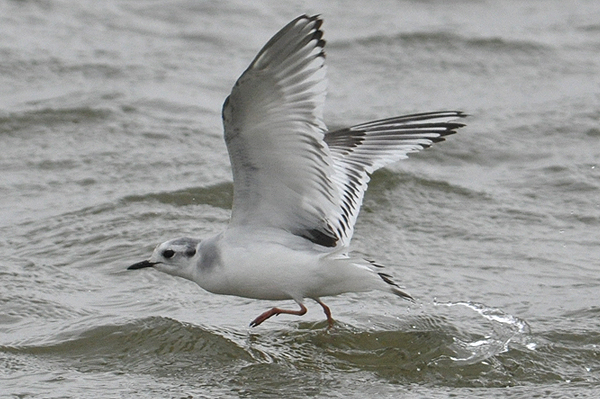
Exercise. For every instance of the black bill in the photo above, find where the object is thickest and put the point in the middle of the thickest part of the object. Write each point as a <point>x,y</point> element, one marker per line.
<point>141,265</point>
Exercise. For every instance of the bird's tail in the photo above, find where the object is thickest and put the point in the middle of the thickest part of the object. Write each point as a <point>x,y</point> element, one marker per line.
<point>392,285</point>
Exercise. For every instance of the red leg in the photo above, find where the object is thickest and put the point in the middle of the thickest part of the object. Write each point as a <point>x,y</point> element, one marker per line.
<point>327,312</point>
<point>275,312</point>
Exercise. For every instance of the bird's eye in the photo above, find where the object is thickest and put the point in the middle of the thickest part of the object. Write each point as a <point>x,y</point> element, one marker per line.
<point>168,253</point>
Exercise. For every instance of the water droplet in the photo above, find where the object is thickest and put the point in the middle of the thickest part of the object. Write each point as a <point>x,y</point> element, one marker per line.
<point>531,346</point>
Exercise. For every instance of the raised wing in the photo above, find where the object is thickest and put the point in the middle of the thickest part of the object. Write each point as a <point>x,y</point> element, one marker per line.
<point>288,173</point>
<point>274,133</point>
<point>360,150</point>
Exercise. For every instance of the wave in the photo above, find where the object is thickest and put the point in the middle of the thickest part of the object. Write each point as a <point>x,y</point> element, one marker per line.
<point>48,117</point>
<point>386,179</point>
<point>428,40</point>
<point>427,341</point>
<point>218,195</point>
<point>138,346</point>
<point>452,344</point>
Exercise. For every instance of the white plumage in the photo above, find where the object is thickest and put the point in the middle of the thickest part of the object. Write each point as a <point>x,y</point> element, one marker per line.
<point>297,187</point>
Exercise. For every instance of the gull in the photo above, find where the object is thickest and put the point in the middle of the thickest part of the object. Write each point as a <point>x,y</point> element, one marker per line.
<point>297,187</point>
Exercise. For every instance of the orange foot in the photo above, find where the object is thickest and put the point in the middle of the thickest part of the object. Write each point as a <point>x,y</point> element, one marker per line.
<point>275,312</point>
<point>300,312</point>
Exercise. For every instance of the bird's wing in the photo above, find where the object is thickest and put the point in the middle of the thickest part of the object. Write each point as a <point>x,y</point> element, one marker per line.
<point>274,132</point>
<point>360,150</point>
<point>288,173</point>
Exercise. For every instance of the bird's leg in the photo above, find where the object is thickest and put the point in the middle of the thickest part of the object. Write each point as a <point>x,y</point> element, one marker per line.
<point>327,313</point>
<point>275,312</point>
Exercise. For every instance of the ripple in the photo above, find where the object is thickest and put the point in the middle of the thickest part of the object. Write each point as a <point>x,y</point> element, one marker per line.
<point>46,117</point>
<point>218,195</point>
<point>444,40</point>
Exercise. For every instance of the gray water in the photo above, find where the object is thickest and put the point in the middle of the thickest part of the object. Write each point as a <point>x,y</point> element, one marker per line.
<point>111,142</point>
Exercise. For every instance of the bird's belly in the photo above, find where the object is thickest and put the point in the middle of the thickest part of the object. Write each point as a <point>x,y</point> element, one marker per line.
<point>270,272</point>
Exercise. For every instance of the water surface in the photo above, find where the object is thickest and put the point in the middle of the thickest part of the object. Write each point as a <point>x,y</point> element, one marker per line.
<point>111,142</point>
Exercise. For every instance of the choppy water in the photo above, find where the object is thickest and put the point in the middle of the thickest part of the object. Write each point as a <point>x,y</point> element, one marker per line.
<point>110,142</point>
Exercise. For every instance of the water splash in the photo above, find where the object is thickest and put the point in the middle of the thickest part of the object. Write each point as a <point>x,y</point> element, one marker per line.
<point>491,334</point>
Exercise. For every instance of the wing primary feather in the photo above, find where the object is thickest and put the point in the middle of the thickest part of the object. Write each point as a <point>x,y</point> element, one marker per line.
<point>359,150</point>
<point>289,172</point>
<point>274,134</point>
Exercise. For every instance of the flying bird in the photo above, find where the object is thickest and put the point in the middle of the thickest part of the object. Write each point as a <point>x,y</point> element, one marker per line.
<point>297,187</point>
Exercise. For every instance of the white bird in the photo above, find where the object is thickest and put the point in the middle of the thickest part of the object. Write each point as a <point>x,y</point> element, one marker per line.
<point>297,187</point>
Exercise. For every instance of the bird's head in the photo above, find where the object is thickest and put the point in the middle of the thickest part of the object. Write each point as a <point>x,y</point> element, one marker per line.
<point>176,257</point>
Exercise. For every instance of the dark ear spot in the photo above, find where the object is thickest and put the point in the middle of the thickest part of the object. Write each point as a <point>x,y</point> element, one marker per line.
<point>190,252</point>
<point>168,253</point>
